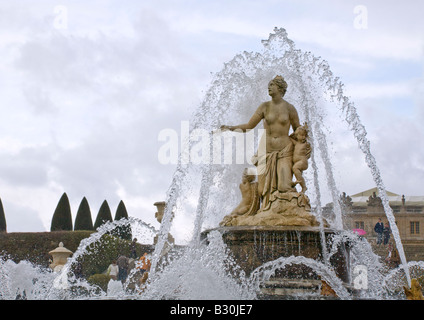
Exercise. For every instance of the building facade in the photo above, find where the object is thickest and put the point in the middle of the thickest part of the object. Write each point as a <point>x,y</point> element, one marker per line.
<point>362,211</point>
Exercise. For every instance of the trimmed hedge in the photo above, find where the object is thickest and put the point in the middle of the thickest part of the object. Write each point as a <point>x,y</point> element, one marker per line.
<point>35,247</point>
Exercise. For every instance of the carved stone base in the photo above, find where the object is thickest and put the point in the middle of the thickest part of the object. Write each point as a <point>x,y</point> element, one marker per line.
<point>283,209</point>
<point>252,246</point>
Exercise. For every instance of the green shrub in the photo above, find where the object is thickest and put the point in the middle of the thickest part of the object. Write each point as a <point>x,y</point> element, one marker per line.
<point>99,255</point>
<point>124,232</point>
<point>35,246</point>
<point>62,218</point>
<point>83,220</point>
<point>100,280</point>
<point>3,227</point>
<point>104,215</point>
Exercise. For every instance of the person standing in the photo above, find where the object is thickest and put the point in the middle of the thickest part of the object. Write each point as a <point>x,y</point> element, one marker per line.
<point>113,270</point>
<point>379,228</point>
<point>144,268</point>
<point>145,263</point>
<point>133,249</point>
<point>123,265</point>
<point>386,233</point>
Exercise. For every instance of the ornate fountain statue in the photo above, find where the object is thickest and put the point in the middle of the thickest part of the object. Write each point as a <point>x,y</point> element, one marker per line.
<point>284,156</point>
<point>273,218</point>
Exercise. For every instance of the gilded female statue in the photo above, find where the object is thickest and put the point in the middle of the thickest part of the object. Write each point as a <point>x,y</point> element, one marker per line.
<point>275,167</point>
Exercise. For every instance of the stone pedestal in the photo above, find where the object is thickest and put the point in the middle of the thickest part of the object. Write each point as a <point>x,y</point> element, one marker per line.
<point>283,209</point>
<point>252,246</point>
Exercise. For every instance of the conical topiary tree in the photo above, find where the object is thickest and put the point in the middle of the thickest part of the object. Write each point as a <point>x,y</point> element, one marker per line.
<point>3,227</point>
<point>83,220</point>
<point>124,232</point>
<point>104,215</point>
<point>121,211</point>
<point>62,217</point>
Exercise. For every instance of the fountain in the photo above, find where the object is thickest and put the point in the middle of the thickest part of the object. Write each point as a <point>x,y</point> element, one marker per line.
<point>282,225</point>
<point>234,90</point>
<point>276,243</point>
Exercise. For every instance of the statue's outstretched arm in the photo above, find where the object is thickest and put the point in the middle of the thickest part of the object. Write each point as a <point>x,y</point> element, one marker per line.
<point>253,122</point>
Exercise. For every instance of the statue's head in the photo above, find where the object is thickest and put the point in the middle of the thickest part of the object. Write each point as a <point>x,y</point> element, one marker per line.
<point>301,132</point>
<point>281,84</point>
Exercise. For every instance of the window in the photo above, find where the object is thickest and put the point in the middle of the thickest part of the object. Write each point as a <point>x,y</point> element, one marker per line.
<point>415,227</point>
<point>359,225</point>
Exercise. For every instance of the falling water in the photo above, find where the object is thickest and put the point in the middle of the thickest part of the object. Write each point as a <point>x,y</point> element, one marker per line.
<point>264,272</point>
<point>233,96</point>
<point>25,280</point>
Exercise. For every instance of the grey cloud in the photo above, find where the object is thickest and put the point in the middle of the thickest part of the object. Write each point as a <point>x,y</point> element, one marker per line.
<point>28,167</point>
<point>40,100</point>
<point>21,218</point>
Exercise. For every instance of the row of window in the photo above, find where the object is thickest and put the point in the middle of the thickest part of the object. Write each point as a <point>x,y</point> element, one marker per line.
<point>395,210</point>
<point>414,226</point>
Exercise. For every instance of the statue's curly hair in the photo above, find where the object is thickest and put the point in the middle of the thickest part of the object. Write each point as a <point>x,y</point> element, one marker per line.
<point>281,84</point>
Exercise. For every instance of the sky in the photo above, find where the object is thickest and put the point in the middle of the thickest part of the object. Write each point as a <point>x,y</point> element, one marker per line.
<point>87,86</point>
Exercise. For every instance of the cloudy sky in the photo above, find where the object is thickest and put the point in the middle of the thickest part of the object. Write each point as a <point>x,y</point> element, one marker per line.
<point>86,87</point>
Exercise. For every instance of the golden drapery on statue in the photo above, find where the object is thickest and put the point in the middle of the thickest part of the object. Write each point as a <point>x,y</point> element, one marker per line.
<point>267,171</point>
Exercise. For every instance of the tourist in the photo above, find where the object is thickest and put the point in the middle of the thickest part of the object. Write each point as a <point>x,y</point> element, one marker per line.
<point>144,264</point>
<point>386,233</point>
<point>379,228</point>
<point>133,249</point>
<point>123,265</point>
<point>113,270</point>
<point>389,255</point>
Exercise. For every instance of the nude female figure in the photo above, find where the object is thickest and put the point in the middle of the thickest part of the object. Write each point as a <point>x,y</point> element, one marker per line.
<point>278,116</point>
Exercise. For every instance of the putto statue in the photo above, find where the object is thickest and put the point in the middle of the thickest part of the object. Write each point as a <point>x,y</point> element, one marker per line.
<point>301,154</point>
<point>284,156</point>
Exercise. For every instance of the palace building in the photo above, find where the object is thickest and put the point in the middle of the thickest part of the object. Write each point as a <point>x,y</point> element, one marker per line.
<point>362,211</point>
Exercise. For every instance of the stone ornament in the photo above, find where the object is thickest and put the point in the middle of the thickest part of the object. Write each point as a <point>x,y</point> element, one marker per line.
<point>60,257</point>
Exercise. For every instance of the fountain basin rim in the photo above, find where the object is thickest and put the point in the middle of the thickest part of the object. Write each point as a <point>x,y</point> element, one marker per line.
<point>236,229</point>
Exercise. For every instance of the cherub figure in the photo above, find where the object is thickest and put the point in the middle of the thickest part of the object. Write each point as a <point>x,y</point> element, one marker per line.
<point>301,154</point>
